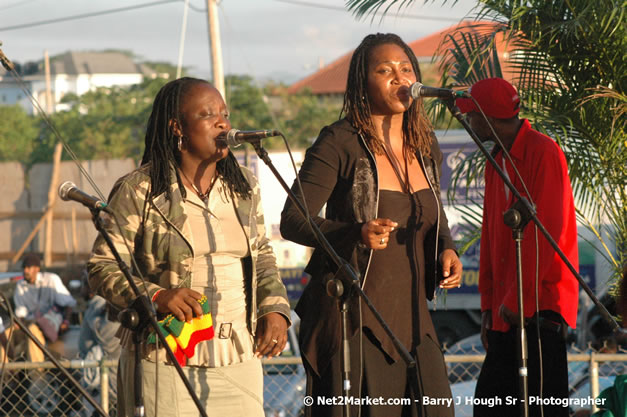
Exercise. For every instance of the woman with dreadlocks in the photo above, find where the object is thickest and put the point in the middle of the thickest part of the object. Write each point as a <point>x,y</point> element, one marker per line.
<point>377,170</point>
<point>192,219</point>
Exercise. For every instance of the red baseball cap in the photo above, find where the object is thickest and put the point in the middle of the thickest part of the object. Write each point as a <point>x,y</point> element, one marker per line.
<point>496,97</point>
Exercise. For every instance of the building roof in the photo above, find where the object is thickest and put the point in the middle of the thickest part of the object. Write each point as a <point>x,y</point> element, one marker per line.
<point>75,63</point>
<point>331,79</point>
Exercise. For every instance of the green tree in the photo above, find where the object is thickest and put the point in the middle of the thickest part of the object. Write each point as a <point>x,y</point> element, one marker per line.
<point>104,123</point>
<point>246,103</point>
<point>299,116</point>
<point>569,67</point>
<point>18,134</point>
<point>304,114</point>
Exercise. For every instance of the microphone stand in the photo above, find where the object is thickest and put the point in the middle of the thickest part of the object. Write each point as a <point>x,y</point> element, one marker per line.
<point>517,218</point>
<point>58,365</point>
<point>136,318</point>
<point>342,286</point>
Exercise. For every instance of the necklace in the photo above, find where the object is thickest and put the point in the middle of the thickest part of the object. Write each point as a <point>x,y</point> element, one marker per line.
<point>203,196</point>
<point>403,176</point>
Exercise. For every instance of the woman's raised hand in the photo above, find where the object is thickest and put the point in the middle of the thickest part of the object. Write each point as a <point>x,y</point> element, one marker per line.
<point>376,233</point>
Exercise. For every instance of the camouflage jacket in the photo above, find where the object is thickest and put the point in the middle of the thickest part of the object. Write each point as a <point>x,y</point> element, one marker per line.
<point>158,238</point>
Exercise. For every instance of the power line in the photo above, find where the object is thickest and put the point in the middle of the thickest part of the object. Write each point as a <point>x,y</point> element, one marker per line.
<point>198,9</point>
<point>85,15</point>
<point>339,8</point>
<point>21,3</point>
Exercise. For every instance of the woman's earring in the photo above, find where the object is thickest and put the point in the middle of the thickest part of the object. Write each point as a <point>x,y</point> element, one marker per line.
<point>180,143</point>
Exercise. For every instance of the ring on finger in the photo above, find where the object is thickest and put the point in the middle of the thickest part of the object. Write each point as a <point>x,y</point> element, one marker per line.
<point>275,341</point>
<point>382,241</point>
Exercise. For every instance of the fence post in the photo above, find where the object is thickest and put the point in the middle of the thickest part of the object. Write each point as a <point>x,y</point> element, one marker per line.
<point>104,386</point>
<point>594,379</point>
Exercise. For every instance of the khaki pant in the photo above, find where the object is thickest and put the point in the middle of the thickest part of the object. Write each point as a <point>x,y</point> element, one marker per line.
<point>234,390</point>
<point>21,342</point>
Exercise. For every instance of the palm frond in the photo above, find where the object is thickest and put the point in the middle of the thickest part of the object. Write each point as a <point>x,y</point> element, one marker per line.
<point>363,8</point>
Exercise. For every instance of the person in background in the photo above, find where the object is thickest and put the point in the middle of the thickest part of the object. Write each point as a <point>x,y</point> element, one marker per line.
<point>543,170</point>
<point>96,342</point>
<point>45,304</point>
<point>377,170</point>
<point>4,354</point>
<point>194,223</point>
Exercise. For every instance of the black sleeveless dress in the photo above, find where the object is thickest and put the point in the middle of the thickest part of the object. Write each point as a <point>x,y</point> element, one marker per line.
<point>395,283</point>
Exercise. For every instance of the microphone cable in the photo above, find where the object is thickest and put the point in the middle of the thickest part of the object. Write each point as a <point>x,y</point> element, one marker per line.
<point>8,65</point>
<point>537,246</point>
<point>5,356</point>
<point>136,270</point>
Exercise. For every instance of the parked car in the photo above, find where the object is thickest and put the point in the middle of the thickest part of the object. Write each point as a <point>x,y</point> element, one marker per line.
<point>284,384</point>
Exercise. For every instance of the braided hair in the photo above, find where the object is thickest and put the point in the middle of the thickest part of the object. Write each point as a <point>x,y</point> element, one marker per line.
<point>161,150</point>
<point>416,126</point>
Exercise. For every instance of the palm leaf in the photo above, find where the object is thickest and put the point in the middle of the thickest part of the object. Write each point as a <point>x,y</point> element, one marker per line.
<point>363,8</point>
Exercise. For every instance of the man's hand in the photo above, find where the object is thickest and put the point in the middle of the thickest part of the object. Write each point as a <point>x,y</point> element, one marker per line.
<point>64,327</point>
<point>508,316</point>
<point>486,324</point>
<point>271,335</point>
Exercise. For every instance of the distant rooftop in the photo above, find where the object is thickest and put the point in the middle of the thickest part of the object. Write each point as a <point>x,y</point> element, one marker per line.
<point>75,63</point>
<point>331,79</point>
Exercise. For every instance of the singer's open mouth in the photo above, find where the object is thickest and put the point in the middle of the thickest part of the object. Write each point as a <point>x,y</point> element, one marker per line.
<point>403,93</point>
<point>221,140</point>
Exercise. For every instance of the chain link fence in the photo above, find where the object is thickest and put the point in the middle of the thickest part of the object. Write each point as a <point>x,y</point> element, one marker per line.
<point>38,389</point>
<point>590,371</point>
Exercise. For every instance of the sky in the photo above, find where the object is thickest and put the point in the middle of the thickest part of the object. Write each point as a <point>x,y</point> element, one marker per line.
<point>284,40</point>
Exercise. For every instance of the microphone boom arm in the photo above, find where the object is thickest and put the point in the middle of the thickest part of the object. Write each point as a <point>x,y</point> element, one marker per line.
<point>450,104</point>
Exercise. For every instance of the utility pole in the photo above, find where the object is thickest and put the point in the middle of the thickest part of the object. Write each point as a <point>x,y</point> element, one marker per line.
<point>215,47</point>
<point>49,102</point>
<point>54,178</point>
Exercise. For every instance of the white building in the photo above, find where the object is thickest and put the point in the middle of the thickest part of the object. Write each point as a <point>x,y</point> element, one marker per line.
<point>73,72</point>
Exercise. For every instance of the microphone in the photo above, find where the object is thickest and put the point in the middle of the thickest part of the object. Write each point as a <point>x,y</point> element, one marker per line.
<point>418,90</point>
<point>236,137</point>
<point>68,191</point>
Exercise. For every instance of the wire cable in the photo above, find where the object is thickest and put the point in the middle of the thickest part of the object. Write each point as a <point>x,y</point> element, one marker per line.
<point>4,357</point>
<point>342,9</point>
<point>86,15</point>
<point>505,151</point>
<point>231,29</point>
<point>8,65</point>
<point>537,244</point>
<point>21,3</point>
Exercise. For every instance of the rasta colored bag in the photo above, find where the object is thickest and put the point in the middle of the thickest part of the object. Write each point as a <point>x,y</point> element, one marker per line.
<point>182,337</point>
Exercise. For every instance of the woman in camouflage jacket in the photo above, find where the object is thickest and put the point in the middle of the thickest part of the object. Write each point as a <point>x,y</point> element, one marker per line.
<point>154,208</point>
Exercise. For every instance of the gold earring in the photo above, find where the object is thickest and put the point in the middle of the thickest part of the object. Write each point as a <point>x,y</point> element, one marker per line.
<point>180,143</point>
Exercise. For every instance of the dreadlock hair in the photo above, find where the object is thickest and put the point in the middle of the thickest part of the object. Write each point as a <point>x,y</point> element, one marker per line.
<point>161,149</point>
<point>416,126</point>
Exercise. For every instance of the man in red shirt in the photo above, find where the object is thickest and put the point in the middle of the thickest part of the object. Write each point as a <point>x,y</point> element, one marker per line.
<point>550,291</point>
